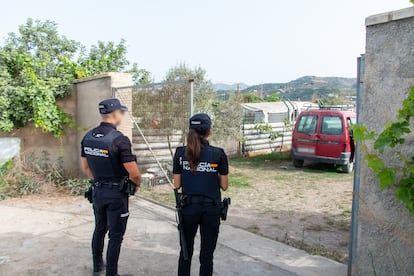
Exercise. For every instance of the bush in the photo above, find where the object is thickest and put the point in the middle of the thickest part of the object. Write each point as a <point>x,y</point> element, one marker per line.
<point>15,181</point>
<point>25,178</point>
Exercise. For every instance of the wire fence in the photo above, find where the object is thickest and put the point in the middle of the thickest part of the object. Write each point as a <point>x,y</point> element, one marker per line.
<point>161,111</point>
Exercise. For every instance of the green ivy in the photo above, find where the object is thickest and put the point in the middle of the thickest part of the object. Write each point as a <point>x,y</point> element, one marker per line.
<point>394,134</point>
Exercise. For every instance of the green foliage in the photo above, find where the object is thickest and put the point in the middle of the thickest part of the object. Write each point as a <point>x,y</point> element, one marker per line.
<point>266,128</point>
<point>384,144</point>
<point>274,97</point>
<point>75,186</point>
<point>251,98</point>
<point>333,100</point>
<point>37,67</point>
<point>225,114</point>
<point>259,160</point>
<point>238,181</point>
<point>105,57</point>
<point>139,76</point>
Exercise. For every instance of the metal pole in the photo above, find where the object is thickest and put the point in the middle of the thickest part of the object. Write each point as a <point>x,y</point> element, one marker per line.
<point>191,98</point>
<point>355,195</point>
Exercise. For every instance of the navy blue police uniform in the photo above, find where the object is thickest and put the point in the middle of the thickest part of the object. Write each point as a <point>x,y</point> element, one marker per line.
<point>202,205</point>
<point>106,149</point>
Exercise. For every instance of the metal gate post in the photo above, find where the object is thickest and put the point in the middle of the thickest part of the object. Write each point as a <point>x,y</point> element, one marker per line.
<point>355,195</point>
<point>191,98</point>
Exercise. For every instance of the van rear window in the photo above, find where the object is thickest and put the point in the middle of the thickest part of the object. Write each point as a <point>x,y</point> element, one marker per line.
<point>307,124</point>
<point>331,125</point>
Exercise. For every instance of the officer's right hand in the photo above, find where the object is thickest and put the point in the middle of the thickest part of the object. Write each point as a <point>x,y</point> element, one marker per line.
<point>134,174</point>
<point>137,187</point>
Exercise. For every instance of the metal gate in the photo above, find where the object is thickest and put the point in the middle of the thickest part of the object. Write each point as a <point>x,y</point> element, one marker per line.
<point>162,111</point>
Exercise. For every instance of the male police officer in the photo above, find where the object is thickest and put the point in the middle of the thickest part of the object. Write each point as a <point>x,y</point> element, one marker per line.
<point>107,158</point>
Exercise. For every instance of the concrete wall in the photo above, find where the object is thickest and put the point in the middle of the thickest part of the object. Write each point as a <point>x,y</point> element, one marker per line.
<point>83,106</point>
<point>385,238</point>
<point>90,91</point>
<point>33,141</point>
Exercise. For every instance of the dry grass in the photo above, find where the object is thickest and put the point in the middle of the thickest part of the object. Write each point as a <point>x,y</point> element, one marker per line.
<point>37,175</point>
<point>308,208</point>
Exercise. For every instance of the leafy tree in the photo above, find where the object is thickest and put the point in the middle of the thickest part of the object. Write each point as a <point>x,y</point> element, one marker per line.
<point>37,67</point>
<point>251,98</point>
<point>105,57</point>
<point>226,115</point>
<point>139,76</point>
<point>274,97</point>
<point>333,100</point>
<point>204,94</point>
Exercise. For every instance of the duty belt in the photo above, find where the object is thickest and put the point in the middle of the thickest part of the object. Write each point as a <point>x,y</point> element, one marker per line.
<point>196,199</point>
<point>100,184</point>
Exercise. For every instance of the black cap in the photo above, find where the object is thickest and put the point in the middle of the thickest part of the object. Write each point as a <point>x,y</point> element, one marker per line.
<point>110,105</point>
<point>200,121</point>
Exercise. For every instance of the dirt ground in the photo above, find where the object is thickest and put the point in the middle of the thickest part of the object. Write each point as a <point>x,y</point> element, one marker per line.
<point>46,235</point>
<point>307,208</point>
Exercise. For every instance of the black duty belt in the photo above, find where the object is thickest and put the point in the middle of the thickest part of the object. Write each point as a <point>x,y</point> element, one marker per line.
<point>106,184</point>
<point>193,199</point>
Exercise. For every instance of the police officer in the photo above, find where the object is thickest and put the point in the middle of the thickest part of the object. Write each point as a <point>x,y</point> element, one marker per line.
<point>201,170</point>
<point>107,158</point>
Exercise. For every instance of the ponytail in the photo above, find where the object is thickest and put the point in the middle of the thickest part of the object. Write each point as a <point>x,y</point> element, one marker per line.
<point>193,150</point>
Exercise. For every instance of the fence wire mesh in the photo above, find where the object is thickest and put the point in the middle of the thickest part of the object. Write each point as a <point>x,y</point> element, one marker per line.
<point>161,110</point>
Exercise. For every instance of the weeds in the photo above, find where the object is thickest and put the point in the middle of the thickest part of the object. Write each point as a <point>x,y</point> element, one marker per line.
<point>259,160</point>
<point>165,197</point>
<point>312,249</point>
<point>238,181</point>
<point>18,178</point>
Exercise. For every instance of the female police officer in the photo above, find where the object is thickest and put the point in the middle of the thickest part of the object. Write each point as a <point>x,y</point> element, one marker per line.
<point>201,170</point>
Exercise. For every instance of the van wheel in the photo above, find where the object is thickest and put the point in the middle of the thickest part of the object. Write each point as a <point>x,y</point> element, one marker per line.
<point>298,163</point>
<point>348,168</point>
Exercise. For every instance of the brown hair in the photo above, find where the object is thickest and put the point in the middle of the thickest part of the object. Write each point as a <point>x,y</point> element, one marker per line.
<point>193,149</point>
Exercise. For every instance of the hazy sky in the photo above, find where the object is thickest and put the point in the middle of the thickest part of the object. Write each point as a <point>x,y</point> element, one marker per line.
<point>234,40</point>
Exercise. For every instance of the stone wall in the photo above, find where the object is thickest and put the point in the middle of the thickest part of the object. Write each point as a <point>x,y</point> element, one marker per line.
<point>83,106</point>
<point>385,238</point>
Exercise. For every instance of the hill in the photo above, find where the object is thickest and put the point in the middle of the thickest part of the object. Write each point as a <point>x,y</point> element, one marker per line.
<point>228,87</point>
<point>307,88</point>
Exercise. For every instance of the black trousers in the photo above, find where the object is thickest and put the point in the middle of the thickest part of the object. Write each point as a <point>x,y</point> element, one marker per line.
<point>206,216</point>
<point>111,214</point>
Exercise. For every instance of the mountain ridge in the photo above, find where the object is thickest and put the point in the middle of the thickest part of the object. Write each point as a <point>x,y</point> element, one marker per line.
<point>305,88</point>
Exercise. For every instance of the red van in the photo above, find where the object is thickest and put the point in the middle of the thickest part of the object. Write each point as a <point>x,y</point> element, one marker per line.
<point>324,135</point>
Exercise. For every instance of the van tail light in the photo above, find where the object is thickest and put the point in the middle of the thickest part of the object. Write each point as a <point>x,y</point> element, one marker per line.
<point>347,148</point>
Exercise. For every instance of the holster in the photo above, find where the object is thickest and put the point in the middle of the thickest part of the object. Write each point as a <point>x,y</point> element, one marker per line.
<point>89,193</point>
<point>127,186</point>
<point>225,208</point>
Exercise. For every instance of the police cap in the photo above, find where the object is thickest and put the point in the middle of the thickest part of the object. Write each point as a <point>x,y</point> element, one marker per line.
<point>200,121</point>
<point>110,105</point>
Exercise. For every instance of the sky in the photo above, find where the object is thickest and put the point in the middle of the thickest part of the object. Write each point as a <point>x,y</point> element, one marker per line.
<point>233,40</point>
